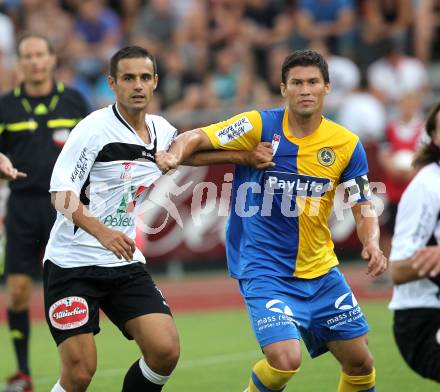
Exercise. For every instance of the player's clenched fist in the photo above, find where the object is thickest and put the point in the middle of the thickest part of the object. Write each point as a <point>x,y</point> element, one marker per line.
<point>377,262</point>
<point>261,156</point>
<point>117,242</point>
<point>165,161</point>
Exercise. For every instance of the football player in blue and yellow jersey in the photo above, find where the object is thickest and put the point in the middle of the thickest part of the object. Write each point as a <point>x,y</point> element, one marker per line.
<point>278,240</point>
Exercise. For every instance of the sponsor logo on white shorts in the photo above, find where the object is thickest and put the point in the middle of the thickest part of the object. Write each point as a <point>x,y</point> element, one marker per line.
<point>69,313</point>
<point>234,131</point>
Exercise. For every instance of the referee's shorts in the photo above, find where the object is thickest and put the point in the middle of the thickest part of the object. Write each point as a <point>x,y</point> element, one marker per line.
<point>29,220</point>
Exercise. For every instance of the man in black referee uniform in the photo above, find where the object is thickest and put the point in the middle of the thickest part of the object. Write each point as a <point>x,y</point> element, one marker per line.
<point>35,120</point>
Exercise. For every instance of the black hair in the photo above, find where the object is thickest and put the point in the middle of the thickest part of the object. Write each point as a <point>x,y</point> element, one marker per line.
<point>429,152</point>
<point>34,35</point>
<point>130,52</point>
<point>304,58</point>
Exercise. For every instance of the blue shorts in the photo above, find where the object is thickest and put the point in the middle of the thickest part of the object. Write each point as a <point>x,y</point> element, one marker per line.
<point>319,310</point>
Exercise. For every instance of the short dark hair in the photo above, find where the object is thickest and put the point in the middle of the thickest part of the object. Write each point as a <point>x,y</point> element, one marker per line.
<point>304,58</point>
<point>26,36</point>
<point>130,52</point>
<point>430,152</point>
<point>431,121</point>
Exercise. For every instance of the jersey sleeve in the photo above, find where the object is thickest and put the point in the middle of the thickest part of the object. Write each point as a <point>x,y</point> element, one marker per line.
<point>241,132</point>
<point>165,132</point>
<point>416,219</point>
<point>354,177</point>
<point>75,160</point>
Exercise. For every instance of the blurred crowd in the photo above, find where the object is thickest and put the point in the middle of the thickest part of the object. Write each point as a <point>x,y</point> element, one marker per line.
<point>217,54</point>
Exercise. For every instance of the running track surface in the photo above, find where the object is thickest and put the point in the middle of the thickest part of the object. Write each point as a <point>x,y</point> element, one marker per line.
<point>217,292</point>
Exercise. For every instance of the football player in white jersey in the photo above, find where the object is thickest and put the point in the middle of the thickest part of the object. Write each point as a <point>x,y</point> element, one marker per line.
<point>91,261</point>
<point>415,261</point>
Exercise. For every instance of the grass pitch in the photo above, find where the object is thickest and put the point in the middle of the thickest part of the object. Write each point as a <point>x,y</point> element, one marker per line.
<point>218,351</point>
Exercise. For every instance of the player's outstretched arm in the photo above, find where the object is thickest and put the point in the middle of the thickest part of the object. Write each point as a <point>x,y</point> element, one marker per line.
<point>68,204</point>
<point>260,157</point>
<point>8,171</point>
<point>184,145</point>
<point>367,228</point>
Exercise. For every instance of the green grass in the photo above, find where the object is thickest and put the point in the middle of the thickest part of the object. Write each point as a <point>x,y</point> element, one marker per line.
<point>218,351</point>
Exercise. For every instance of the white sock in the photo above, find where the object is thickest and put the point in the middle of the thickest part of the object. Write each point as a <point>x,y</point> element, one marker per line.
<point>149,374</point>
<point>58,388</point>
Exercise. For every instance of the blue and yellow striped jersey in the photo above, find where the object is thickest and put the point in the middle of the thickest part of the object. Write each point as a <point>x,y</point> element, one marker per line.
<point>278,223</point>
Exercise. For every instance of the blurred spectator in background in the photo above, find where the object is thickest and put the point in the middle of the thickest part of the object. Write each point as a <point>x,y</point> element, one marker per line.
<point>344,77</point>
<point>7,52</point>
<point>128,11</point>
<point>192,39</point>
<point>396,74</point>
<point>230,82</point>
<point>225,22</point>
<point>427,30</point>
<point>155,27</point>
<point>267,89</point>
<point>179,88</point>
<point>183,8</point>
<point>265,24</point>
<point>332,20</point>
<point>66,74</point>
<point>363,113</point>
<point>47,17</point>
<point>403,137</point>
<point>97,33</point>
<point>385,19</point>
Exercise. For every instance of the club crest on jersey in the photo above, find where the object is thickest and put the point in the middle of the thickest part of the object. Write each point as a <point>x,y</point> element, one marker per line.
<point>69,313</point>
<point>326,156</point>
<point>126,174</point>
<point>275,143</point>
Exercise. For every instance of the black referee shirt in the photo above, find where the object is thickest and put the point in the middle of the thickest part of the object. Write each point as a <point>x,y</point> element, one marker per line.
<point>33,131</point>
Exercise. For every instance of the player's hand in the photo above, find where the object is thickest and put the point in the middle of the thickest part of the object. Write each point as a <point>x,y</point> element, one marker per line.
<point>426,261</point>
<point>117,242</point>
<point>8,171</point>
<point>261,157</point>
<point>165,161</point>
<point>377,262</point>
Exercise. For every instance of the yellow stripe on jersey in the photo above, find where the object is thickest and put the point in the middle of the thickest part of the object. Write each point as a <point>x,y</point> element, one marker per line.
<point>22,126</point>
<point>241,132</point>
<point>315,248</point>
<point>62,123</point>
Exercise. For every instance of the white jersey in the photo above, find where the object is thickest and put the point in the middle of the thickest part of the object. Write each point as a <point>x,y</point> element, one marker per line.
<point>108,166</point>
<point>417,222</point>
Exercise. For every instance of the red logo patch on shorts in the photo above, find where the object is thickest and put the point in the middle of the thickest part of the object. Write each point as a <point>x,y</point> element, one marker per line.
<point>69,313</point>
